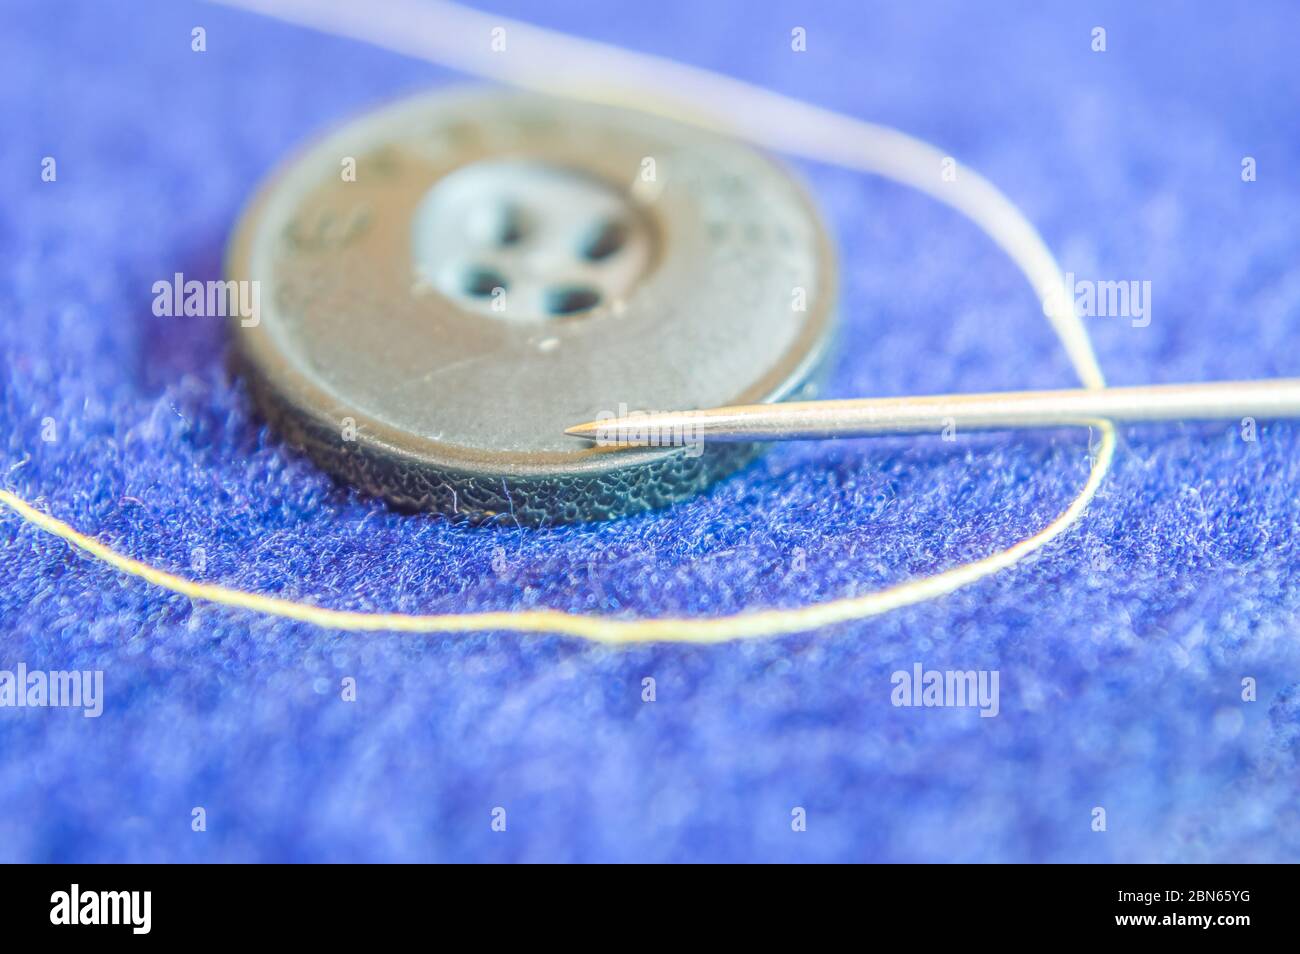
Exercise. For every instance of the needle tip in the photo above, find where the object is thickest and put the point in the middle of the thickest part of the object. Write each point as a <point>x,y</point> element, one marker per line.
<point>587,430</point>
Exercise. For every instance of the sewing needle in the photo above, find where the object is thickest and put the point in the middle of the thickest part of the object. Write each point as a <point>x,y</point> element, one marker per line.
<point>865,417</point>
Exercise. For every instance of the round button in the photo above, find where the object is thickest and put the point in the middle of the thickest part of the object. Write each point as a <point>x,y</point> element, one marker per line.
<point>450,282</point>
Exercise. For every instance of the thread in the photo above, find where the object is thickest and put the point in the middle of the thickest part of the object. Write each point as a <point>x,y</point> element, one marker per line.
<point>551,62</point>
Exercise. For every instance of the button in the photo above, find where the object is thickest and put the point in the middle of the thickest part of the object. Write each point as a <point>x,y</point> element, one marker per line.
<point>451,281</point>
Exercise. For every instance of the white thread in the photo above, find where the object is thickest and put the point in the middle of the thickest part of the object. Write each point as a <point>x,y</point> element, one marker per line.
<point>547,61</point>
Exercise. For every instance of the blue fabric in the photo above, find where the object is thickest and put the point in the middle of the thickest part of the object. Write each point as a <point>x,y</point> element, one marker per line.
<point>1121,648</point>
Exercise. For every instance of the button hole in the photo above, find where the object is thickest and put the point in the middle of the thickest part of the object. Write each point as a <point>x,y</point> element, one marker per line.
<point>480,282</point>
<point>570,299</point>
<point>604,240</point>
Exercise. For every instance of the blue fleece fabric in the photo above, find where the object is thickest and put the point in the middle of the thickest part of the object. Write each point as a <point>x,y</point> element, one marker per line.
<point>1121,648</point>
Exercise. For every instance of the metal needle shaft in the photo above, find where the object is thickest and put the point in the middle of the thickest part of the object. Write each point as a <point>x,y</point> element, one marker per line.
<point>863,417</point>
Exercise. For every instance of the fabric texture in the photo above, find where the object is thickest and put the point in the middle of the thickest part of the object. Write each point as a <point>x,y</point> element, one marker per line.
<point>1121,648</point>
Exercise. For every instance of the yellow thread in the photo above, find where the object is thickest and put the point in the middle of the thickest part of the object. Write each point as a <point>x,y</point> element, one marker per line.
<point>601,629</point>
<point>826,136</point>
